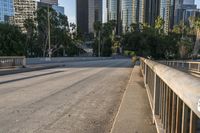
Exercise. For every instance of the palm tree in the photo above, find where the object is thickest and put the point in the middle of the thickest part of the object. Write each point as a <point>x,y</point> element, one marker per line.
<point>97,28</point>
<point>159,23</point>
<point>197,43</point>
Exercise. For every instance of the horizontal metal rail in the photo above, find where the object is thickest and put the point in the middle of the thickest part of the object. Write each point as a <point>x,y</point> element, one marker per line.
<point>12,61</point>
<point>185,65</point>
<point>174,98</point>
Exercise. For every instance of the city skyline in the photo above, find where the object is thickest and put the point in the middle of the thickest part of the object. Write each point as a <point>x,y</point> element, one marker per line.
<point>70,8</point>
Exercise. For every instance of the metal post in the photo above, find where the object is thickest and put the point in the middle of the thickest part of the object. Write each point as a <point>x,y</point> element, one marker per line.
<point>49,35</point>
<point>99,49</point>
<point>24,61</point>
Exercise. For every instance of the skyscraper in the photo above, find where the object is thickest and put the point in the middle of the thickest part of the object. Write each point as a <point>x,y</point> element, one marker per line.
<point>188,2</point>
<point>56,7</point>
<point>24,9</point>
<point>152,8</point>
<point>87,12</point>
<point>142,5</point>
<point>98,10</point>
<point>165,13</point>
<point>53,2</point>
<point>178,11</point>
<point>6,10</point>
<point>114,13</point>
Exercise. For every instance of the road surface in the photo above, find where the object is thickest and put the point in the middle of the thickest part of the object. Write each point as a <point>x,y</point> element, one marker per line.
<point>82,97</point>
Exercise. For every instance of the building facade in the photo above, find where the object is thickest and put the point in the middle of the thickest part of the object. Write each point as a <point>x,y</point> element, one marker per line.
<point>98,10</point>
<point>24,9</point>
<point>114,13</point>
<point>130,13</point>
<point>52,2</point>
<point>58,9</point>
<point>87,12</point>
<point>142,5</point>
<point>188,2</point>
<point>152,11</point>
<point>6,10</point>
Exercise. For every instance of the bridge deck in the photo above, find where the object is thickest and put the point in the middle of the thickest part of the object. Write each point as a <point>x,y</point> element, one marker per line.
<point>135,115</point>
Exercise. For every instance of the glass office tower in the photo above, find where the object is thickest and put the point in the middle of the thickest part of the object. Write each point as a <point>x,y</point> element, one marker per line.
<point>188,2</point>
<point>87,12</point>
<point>130,13</point>
<point>6,10</point>
<point>112,9</point>
<point>114,13</point>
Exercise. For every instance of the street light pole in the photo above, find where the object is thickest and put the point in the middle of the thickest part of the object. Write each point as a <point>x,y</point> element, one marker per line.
<point>49,35</point>
<point>99,52</point>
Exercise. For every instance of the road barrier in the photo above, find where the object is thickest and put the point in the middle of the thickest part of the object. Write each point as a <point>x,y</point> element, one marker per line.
<point>12,61</point>
<point>186,65</point>
<point>174,97</point>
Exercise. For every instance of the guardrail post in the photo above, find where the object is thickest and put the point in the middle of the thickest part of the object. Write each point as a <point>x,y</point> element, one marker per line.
<point>156,96</point>
<point>185,124</point>
<point>193,122</point>
<point>174,108</point>
<point>145,73</point>
<point>178,115</point>
<point>189,66</point>
<point>24,61</point>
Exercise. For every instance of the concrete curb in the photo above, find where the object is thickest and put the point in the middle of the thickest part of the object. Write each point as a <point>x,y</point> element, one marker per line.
<point>22,70</point>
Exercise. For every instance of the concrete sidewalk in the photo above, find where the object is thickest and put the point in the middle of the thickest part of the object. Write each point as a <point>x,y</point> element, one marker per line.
<point>135,115</point>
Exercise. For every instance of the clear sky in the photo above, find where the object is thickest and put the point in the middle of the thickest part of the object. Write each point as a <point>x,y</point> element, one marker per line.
<point>70,8</point>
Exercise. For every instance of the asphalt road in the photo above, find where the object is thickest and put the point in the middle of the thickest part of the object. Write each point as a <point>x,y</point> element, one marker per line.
<point>82,97</point>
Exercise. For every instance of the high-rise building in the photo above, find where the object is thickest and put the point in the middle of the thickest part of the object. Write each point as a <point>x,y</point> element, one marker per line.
<point>87,12</point>
<point>114,13</point>
<point>188,2</point>
<point>130,13</point>
<point>142,5</point>
<point>6,10</point>
<point>52,2</point>
<point>58,9</point>
<point>152,11</point>
<point>178,12</point>
<point>165,13</point>
<point>24,9</point>
<point>112,9</point>
<point>98,10</point>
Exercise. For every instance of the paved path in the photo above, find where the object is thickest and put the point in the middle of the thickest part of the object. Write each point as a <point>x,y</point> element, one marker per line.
<point>135,114</point>
<point>80,98</point>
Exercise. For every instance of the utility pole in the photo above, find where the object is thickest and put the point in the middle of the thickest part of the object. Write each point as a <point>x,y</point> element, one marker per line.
<point>49,34</point>
<point>99,48</point>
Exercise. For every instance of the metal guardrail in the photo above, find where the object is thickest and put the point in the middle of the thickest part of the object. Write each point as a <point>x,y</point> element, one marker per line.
<point>186,65</point>
<point>15,61</point>
<point>174,98</point>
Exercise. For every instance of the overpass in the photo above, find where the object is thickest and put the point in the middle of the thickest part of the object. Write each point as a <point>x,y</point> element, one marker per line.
<point>95,96</point>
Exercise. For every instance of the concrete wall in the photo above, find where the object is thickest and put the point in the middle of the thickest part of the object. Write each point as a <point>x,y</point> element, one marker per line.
<point>30,61</point>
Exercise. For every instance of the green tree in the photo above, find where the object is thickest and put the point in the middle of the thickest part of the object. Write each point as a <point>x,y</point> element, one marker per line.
<point>197,43</point>
<point>97,29</point>
<point>12,41</point>
<point>30,36</point>
<point>159,24</point>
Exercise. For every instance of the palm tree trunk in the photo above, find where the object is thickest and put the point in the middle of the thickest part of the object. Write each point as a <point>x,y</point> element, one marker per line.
<point>197,44</point>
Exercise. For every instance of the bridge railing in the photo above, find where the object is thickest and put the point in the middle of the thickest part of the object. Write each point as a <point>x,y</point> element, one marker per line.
<point>15,61</point>
<point>186,65</point>
<point>174,98</point>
